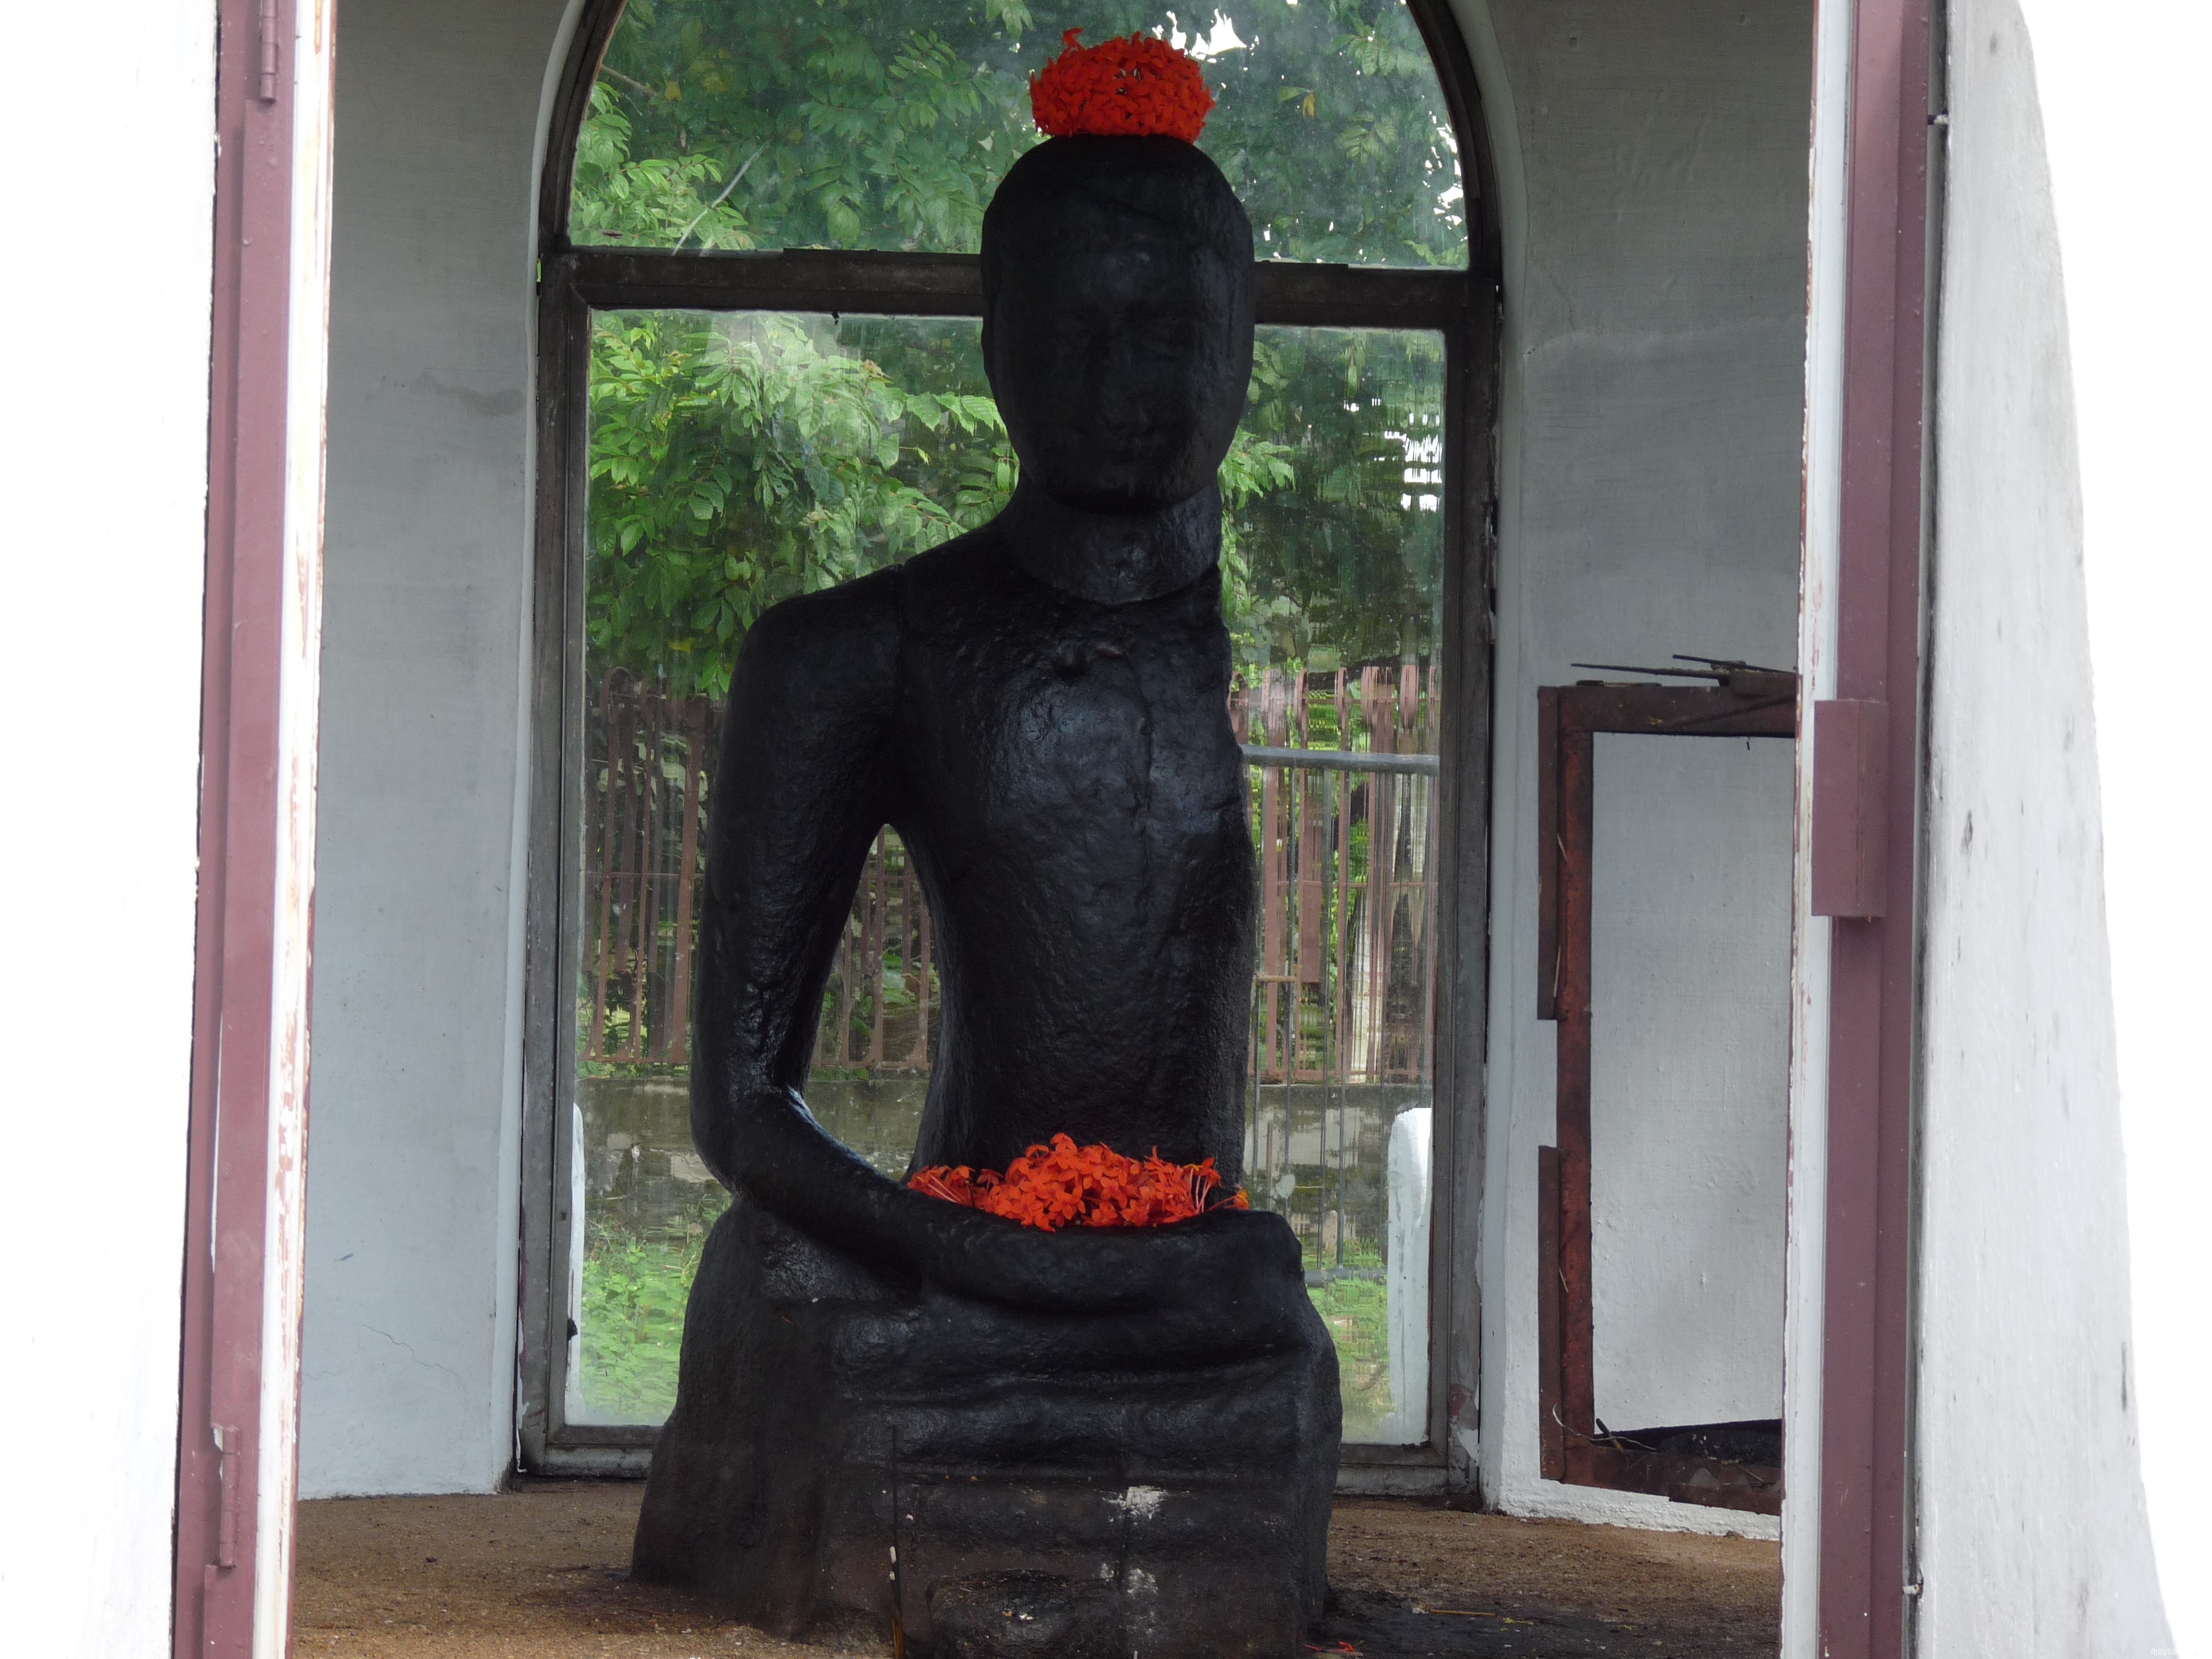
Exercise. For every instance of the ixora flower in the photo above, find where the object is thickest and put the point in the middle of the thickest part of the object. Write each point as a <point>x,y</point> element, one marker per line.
<point>1131,88</point>
<point>1065,1185</point>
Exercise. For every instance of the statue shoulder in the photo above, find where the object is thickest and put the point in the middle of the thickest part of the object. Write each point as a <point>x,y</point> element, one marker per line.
<point>824,665</point>
<point>846,642</point>
<point>836,649</point>
<point>953,581</point>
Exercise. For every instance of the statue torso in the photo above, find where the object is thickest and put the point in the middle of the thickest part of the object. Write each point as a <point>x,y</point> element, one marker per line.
<point>1075,799</point>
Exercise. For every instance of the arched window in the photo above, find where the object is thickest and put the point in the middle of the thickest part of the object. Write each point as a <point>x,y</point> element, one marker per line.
<point>759,375</point>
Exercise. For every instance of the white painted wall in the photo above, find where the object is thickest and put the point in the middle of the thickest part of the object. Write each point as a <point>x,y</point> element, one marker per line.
<point>103,468</point>
<point>414,1163</point>
<point>2033,1534</point>
<point>1690,1076</point>
<point>2142,359</point>
<point>1652,167</point>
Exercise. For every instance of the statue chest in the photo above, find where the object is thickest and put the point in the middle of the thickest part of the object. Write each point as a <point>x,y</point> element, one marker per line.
<point>1089,751</point>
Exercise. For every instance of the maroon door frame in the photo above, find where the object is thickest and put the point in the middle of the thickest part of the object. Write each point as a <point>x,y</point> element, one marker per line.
<point>1866,777</point>
<point>243,812</point>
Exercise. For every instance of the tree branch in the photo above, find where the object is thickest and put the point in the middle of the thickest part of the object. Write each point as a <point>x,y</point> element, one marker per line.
<point>718,200</point>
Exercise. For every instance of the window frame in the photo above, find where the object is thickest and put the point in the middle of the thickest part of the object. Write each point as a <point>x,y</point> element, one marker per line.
<point>1461,306</point>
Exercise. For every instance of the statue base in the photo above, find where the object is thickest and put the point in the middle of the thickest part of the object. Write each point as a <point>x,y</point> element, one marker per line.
<point>999,1483</point>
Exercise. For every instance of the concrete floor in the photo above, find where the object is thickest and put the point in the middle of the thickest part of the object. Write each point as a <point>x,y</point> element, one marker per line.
<point>539,1574</point>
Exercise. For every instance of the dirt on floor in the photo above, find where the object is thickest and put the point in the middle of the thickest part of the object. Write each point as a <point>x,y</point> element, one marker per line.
<point>541,1573</point>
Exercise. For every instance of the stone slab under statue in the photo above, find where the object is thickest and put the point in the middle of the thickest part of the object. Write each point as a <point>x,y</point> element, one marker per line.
<point>1091,1440</point>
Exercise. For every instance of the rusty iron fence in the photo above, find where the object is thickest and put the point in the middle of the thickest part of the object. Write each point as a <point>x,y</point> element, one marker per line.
<point>649,762</point>
<point>648,770</point>
<point>1344,819</point>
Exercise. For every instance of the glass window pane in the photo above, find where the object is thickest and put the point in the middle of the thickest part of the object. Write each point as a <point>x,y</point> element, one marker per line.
<point>1337,620</point>
<point>738,458</point>
<point>739,123</point>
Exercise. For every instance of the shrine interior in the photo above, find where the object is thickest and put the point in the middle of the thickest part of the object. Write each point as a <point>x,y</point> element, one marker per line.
<point>1518,622</point>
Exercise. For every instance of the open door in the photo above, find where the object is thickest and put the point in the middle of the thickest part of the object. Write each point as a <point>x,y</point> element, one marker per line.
<point>240,1401</point>
<point>1662,956</point>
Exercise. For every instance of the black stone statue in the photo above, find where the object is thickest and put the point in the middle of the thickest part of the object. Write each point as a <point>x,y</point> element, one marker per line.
<point>894,1408</point>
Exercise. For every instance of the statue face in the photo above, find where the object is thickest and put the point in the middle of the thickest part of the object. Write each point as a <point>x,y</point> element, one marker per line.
<point>1120,347</point>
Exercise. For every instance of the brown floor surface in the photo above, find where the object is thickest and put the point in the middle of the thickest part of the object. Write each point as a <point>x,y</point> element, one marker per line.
<point>537,1574</point>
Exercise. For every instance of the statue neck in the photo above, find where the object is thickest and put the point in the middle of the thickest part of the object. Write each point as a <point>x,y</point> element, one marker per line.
<point>1112,558</point>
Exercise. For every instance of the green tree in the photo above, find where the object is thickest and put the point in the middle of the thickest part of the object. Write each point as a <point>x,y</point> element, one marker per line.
<point>886,123</point>
<point>737,460</point>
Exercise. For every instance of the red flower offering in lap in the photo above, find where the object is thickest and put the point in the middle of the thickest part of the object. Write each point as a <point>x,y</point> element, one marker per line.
<point>1131,88</point>
<point>1064,1185</point>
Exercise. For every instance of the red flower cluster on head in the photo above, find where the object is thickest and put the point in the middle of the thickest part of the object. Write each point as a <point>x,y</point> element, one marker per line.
<point>1065,1185</point>
<point>1120,88</point>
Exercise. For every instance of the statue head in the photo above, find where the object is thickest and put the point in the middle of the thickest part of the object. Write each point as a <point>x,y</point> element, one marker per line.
<point>1117,319</point>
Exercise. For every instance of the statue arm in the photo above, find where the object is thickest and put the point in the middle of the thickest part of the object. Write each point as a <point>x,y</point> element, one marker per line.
<point>806,779</point>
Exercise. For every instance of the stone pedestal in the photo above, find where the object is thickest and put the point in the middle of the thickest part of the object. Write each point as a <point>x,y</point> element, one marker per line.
<point>1052,1484</point>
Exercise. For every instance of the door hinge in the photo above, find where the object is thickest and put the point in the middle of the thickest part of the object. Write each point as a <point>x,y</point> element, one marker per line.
<point>228,1473</point>
<point>268,51</point>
